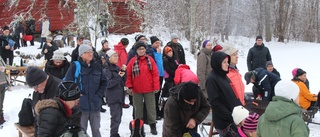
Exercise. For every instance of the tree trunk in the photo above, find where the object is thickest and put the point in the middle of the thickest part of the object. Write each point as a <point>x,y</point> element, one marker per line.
<point>267,21</point>
<point>280,23</point>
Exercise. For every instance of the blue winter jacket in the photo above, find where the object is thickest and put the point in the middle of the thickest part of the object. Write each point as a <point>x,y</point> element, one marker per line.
<point>94,83</point>
<point>265,82</point>
<point>158,58</point>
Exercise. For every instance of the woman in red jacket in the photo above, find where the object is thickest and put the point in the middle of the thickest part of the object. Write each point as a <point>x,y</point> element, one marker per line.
<point>143,81</point>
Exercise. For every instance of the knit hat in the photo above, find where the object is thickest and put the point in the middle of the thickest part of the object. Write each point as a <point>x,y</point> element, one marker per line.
<point>217,48</point>
<point>239,113</point>
<point>87,42</point>
<point>250,123</point>
<point>167,49</point>
<point>5,28</point>
<point>189,91</point>
<point>154,39</point>
<point>80,37</point>
<point>204,44</point>
<point>110,53</point>
<point>58,55</point>
<point>269,63</point>
<point>49,38</point>
<point>103,41</point>
<point>248,77</point>
<point>287,89</point>
<point>124,41</point>
<point>258,37</point>
<point>83,48</point>
<point>139,44</point>
<point>174,36</point>
<point>35,76</point>
<point>138,37</point>
<point>229,50</point>
<point>297,72</point>
<point>69,91</point>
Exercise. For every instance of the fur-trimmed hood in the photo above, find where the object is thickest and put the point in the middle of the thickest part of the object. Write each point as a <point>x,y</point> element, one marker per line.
<point>46,103</point>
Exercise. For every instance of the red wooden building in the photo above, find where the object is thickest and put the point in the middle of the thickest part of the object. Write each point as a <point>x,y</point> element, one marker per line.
<point>59,16</point>
<point>126,20</point>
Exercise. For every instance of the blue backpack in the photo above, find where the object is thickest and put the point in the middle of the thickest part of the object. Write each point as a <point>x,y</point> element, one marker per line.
<point>77,79</point>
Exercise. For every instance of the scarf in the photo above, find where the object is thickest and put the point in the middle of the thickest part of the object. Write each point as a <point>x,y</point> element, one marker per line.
<point>136,69</point>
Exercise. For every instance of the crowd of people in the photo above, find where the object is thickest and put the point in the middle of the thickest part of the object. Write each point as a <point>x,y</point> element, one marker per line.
<point>74,92</point>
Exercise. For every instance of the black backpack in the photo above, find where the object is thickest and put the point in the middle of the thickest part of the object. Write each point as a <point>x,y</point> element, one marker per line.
<point>26,117</point>
<point>136,127</point>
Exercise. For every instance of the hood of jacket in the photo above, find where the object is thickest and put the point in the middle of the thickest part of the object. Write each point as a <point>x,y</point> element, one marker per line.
<point>183,66</point>
<point>258,47</point>
<point>175,93</point>
<point>51,65</point>
<point>46,103</point>
<point>216,62</point>
<point>280,108</point>
<point>119,46</point>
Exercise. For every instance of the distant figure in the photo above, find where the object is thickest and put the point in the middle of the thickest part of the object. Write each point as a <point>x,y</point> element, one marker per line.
<point>270,68</point>
<point>45,29</point>
<point>18,30</point>
<point>49,47</point>
<point>282,117</point>
<point>120,48</point>
<point>7,46</point>
<point>177,48</point>
<point>104,48</point>
<point>103,20</point>
<point>258,55</point>
<point>58,65</point>
<point>30,29</point>
<point>203,65</point>
<point>184,74</point>
<point>170,65</point>
<point>75,52</point>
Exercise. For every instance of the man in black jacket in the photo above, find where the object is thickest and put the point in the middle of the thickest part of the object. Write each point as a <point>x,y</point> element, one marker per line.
<point>30,29</point>
<point>177,48</point>
<point>75,52</point>
<point>258,55</point>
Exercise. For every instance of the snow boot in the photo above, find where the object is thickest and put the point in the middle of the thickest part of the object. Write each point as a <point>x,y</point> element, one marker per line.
<point>153,129</point>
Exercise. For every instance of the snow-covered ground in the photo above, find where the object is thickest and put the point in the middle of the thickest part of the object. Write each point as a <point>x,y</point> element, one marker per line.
<point>285,56</point>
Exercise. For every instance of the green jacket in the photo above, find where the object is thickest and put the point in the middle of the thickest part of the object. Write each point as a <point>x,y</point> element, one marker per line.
<point>282,118</point>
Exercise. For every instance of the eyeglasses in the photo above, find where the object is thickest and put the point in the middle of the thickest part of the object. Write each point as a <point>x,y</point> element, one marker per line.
<point>142,48</point>
<point>88,52</point>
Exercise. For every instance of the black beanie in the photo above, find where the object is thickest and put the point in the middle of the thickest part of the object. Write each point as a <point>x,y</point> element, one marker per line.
<point>138,37</point>
<point>35,76</point>
<point>69,91</point>
<point>124,41</point>
<point>189,91</point>
<point>139,44</point>
<point>258,37</point>
<point>153,39</point>
<point>5,28</point>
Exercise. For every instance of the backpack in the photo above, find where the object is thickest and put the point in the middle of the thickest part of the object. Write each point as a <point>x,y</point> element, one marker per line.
<point>136,127</point>
<point>25,115</point>
<point>74,131</point>
<point>77,72</point>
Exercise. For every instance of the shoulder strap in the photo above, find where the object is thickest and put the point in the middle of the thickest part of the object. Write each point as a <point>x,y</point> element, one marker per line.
<point>77,79</point>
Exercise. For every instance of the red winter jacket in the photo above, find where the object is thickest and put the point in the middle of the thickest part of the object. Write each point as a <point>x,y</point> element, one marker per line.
<point>184,74</point>
<point>122,53</point>
<point>147,81</point>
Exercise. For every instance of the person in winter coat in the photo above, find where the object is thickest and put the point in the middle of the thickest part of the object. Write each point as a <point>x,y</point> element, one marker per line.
<point>53,115</point>
<point>270,68</point>
<point>92,86</point>
<point>258,55</point>
<point>170,65</point>
<point>132,53</point>
<point>48,48</point>
<point>17,27</point>
<point>58,65</point>
<point>75,52</point>
<point>177,48</point>
<point>115,92</point>
<point>103,21</point>
<point>30,29</point>
<point>282,117</point>
<point>247,122</point>
<point>3,84</point>
<point>221,95</point>
<point>105,47</point>
<point>203,65</point>
<point>306,98</point>
<point>185,109</point>
<point>120,48</point>
<point>184,74</point>
<point>45,29</point>
<point>143,81</point>
<point>7,46</point>
<point>157,56</point>
<point>234,74</point>
<point>264,81</point>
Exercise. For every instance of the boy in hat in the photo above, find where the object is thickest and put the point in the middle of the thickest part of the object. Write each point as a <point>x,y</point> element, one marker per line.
<point>58,65</point>
<point>49,47</point>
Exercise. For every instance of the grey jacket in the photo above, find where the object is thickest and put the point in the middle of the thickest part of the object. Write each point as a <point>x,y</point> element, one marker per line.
<point>203,67</point>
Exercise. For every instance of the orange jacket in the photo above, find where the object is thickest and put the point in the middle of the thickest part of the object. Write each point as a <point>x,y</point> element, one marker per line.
<point>305,96</point>
<point>237,84</point>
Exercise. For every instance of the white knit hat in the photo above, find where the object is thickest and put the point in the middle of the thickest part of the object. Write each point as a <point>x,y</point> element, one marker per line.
<point>287,89</point>
<point>83,48</point>
<point>110,53</point>
<point>228,49</point>
<point>239,113</point>
<point>58,55</point>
